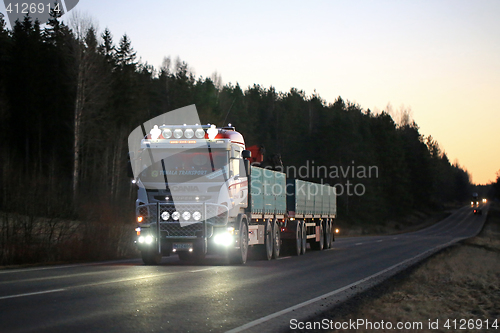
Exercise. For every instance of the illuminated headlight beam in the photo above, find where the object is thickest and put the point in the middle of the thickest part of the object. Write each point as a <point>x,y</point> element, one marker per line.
<point>224,239</point>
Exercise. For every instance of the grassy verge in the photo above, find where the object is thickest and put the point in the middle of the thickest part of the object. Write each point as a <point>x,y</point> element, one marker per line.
<point>459,283</point>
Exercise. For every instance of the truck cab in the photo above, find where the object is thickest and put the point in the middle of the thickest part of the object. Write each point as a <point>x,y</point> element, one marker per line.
<point>192,191</point>
<point>475,204</point>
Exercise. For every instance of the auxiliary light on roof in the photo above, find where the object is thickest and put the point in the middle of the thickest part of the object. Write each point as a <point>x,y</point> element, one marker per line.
<point>182,131</point>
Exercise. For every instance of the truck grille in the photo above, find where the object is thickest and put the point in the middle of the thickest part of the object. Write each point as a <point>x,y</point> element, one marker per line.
<point>185,224</point>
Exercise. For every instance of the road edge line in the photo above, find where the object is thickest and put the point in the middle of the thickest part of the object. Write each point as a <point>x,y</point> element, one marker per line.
<point>394,267</point>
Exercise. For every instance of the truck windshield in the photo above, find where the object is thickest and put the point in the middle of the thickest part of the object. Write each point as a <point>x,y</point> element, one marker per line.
<point>196,164</point>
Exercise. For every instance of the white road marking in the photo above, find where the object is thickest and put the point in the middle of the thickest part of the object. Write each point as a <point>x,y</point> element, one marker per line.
<point>358,244</point>
<point>31,294</point>
<point>380,241</point>
<point>281,258</point>
<point>201,270</point>
<point>19,270</point>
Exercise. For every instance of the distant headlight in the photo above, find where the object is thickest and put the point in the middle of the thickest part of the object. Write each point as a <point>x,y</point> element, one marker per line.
<point>176,215</point>
<point>189,133</point>
<point>186,216</point>
<point>196,216</point>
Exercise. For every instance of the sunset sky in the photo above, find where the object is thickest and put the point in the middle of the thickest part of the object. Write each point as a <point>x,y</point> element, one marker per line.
<point>439,58</point>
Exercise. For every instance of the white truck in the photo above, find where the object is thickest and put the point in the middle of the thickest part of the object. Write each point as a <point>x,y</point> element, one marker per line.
<point>198,194</point>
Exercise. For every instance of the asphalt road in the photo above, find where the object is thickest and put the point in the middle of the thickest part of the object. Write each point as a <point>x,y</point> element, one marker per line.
<point>127,296</point>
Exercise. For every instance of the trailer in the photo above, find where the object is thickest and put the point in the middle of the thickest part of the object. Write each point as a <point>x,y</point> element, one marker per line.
<point>198,194</point>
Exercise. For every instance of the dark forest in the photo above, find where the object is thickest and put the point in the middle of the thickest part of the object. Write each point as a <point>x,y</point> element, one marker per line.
<point>69,97</point>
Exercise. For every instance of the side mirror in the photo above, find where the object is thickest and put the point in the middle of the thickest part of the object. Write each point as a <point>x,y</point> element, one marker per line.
<point>246,154</point>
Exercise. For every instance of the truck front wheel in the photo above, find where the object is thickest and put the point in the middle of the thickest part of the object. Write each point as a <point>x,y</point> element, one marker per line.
<point>239,257</point>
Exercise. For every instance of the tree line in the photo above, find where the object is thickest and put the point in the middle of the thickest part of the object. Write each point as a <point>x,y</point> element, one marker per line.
<point>70,96</point>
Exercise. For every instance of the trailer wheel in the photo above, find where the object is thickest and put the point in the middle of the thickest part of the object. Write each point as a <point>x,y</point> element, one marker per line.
<point>239,257</point>
<point>298,239</point>
<point>294,246</point>
<point>151,257</point>
<point>318,246</point>
<point>276,240</point>
<point>333,232</point>
<point>328,234</point>
<point>268,240</point>
<point>303,239</point>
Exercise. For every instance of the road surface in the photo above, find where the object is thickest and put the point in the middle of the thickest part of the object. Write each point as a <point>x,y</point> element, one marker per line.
<point>262,296</point>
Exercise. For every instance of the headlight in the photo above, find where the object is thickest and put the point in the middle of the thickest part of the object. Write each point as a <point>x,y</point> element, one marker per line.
<point>186,216</point>
<point>200,133</point>
<point>141,239</point>
<point>223,239</point>
<point>165,216</point>
<point>149,239</point>
<point>178,133</point>
<point>189,133</point>
<point>176,215</point>
<point>196,216</point>
<point>167,134</point>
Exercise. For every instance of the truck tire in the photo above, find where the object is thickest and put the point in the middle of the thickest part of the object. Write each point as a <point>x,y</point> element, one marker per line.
<point>276,240</point>
<point>265,251</point>
<point>333,231</point>
<point>151,257</point>
<point>304,237</point>
<point>239,257</point>
<point>294,246</point>
<point>268,241</point>
<point>318,246</point>
<point>298,239</point>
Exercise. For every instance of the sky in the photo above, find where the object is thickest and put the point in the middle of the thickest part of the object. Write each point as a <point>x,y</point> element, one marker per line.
<point>441,59</point>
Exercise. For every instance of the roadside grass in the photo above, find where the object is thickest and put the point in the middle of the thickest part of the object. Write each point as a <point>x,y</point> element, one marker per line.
<point>461,282</point>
